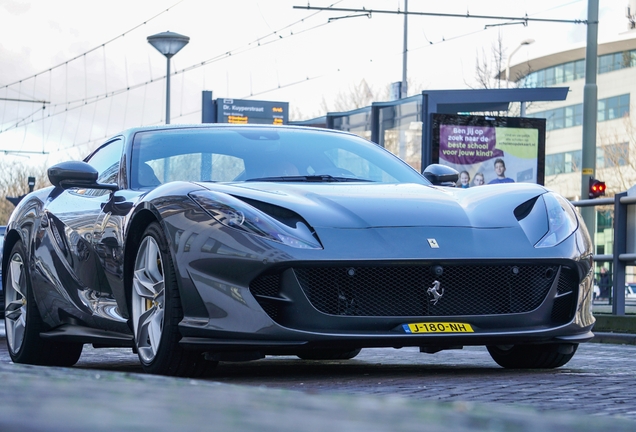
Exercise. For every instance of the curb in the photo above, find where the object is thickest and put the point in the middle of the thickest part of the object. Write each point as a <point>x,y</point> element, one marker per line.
<point>614,338</point>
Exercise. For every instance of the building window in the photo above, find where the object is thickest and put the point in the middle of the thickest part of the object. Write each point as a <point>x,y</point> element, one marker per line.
<point>574,115</point>
<point>574,70</point>
<point>612,155</point>
<point>613,108</point>
<point>563,163</point>
<point>607,156</point>
<point>604,220</point>
<point>564,117</point>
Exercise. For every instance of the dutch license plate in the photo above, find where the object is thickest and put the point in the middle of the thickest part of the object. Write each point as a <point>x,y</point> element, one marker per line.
<point>438,327</point>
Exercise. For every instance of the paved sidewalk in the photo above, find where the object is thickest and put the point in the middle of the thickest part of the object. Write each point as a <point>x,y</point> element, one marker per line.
<point>78,399</point>
<point>48,399</point>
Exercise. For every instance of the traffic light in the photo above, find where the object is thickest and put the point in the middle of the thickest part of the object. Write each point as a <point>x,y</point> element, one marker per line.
<point>16,200</point>
<point>597,188</point>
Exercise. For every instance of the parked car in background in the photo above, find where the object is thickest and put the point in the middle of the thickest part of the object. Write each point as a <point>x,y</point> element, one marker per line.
<point>630,291</point>
<point>198,244</point>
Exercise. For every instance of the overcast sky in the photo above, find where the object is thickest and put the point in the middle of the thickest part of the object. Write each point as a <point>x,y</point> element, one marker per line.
<point>258,49</point>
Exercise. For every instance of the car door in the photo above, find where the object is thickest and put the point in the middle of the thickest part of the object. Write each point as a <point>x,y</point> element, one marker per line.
<point>65,259</point>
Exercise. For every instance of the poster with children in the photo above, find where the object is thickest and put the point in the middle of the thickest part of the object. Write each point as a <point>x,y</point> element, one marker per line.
<point>498,150</point>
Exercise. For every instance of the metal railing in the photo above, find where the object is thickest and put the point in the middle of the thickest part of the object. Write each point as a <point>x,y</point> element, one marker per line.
<point>619,258</point>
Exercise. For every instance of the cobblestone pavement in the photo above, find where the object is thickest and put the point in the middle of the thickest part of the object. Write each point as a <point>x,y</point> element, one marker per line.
<point>381,389</point>
<point>600,380</point>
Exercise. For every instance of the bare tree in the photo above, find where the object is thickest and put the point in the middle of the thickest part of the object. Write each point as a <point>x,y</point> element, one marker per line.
<point>357,96</point>
<point>618,147</point>
<point>489,74</point>
<point>488,67</point>
<point>362,95</point>
<point>14,183</point>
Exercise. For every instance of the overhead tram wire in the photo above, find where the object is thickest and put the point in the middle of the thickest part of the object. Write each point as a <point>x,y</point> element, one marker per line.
<point>212,60</point>
<point>291,84</point>
<point>249,47</point>
<point>227,54</point>
<point>65,63</point>
<point>257,41</point>
<point>86,101</point>
<point>96,48</point>
<point>437,14</point>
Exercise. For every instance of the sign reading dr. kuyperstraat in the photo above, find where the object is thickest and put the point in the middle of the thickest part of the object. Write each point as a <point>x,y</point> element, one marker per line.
<point>251,111</point>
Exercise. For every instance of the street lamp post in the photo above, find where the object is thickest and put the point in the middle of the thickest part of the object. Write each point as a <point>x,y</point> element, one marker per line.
<point>168,44</point>
<point>524,42</point>
<point>522,111</point>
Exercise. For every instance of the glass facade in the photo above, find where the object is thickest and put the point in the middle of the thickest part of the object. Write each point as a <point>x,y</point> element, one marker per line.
<point>401,131</point>
<point>553,75</point>
<point>613,108</point>
<point>562,163</point>
<point>608,156</point>
<point>357,122</point>
<point>574,70</point>
<point>565,117</point>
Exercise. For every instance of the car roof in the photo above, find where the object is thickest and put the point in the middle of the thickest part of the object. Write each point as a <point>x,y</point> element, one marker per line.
<point>229,126</point>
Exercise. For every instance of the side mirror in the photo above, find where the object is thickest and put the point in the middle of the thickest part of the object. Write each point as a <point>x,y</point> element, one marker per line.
<point>441,175</point>
<point>76,174</point>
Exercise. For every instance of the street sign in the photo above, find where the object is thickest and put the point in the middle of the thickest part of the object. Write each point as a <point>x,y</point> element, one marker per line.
<point>240,111</point>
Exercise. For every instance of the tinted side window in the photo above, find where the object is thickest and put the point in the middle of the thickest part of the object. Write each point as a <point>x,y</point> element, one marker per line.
<point>106,161</point>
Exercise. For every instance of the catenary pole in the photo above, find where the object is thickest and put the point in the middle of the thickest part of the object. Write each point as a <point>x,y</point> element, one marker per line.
<point>590,114</point>
<point>404,90</point>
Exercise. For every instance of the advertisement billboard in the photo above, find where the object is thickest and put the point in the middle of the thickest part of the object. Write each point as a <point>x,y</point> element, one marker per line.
<point>490,150</point>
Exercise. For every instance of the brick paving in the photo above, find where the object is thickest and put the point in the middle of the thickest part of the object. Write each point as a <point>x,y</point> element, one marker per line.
<point>381,389</point>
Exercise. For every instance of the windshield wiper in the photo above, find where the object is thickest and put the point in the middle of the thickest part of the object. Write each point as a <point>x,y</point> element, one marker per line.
<point>323,178</point>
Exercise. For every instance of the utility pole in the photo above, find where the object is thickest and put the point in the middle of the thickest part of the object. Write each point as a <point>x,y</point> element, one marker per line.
<point>590,115</point>
<point>404,90</point>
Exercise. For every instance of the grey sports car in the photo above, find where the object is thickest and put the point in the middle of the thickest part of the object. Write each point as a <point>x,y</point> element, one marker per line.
<point>206,243</point>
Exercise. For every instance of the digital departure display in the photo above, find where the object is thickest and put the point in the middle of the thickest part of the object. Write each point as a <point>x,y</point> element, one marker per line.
<point>242,111</point>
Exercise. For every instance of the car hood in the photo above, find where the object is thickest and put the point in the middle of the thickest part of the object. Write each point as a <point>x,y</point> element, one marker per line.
<point>373,205</point>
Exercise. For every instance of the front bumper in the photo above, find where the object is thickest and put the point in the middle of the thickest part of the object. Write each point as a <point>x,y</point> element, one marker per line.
<point>348,305</point>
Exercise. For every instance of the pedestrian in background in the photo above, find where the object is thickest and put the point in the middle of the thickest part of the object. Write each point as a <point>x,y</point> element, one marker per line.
<point>605,283</point>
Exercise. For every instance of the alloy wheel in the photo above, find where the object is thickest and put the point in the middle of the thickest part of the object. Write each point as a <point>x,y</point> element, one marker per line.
<point>16,303</point>
<point>148,299</point>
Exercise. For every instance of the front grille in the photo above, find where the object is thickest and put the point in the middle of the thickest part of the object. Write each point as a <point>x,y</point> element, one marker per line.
<point>567,290</point>
<point>403,290</point>
<point>265,286</point>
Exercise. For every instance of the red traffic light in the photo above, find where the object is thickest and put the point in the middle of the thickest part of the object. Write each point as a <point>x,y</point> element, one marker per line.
<point>597,188</point>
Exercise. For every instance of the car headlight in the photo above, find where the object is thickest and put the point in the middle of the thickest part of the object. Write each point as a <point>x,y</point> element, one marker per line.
<point>234,213</point>
<point>562,220</point>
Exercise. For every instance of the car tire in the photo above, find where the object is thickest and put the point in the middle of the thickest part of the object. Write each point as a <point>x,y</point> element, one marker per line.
<point>156,311</point>
<point>542,356</point>
<point>329,354</point>
<point>23,323</point>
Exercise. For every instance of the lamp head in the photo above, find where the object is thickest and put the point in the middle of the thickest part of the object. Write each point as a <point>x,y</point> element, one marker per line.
<point>168,43</point>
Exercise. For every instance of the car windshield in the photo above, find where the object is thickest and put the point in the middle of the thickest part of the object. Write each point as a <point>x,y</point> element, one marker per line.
<point>277,154</point>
